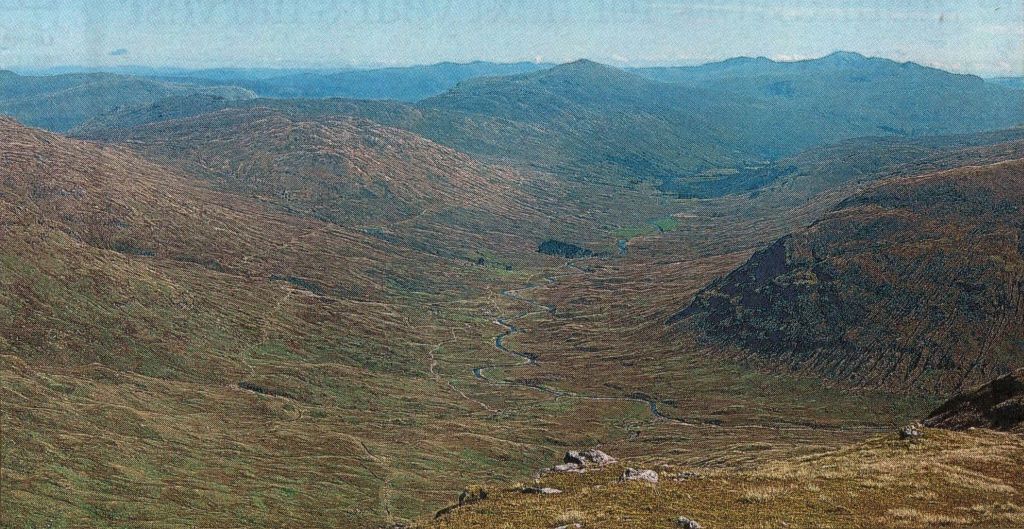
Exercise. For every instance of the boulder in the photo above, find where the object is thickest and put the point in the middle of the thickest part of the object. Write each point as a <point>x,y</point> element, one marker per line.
<point>581,460</point>
<point>686,523</point>
<point>540,490</point>
<point>910,431</point>
<point>632,474</point>
<point>588,458</point>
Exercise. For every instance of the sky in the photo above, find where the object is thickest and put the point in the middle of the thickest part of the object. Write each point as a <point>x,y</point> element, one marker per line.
<point>984,37</point>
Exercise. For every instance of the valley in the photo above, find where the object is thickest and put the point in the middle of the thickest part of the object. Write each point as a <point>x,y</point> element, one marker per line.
<point>221,307</point>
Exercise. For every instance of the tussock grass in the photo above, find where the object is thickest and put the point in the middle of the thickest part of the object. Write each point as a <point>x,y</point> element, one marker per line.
<point>571,516</point>
<point>761,494</point>
<point>880,482</point>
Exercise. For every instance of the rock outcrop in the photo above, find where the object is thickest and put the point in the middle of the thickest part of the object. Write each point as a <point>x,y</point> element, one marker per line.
<point>632,474</point>
<point>997,405</point>
<point>686,523</point>
<point>540,490</point>
<point>579,461</point>
<point>472,494</point>
<point>910,431</point>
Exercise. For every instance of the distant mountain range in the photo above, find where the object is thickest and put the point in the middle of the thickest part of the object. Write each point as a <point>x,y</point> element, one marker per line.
<point>62,102</point>
<point>403,84</point>
<point>868,95</point>
<point>409,83</point>
<point>587,120</point>
<point>1012,82</point>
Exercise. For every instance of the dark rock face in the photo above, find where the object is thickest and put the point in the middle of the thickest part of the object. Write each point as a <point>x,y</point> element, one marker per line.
<point>914,285</point>
<point>563,249</point>
<point>751,283</point>
<point>998,405</point>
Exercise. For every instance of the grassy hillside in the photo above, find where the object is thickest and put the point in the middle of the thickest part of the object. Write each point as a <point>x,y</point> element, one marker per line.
<point>344,170</point>
<point>309,158</point>
<point>167,349</point>
<point>189,356</point>
<point>943,479</point>
<point>853,161</point>
<point>912,284</point>
<point>608,120</point>
<point>220,333</point>
<point>333,312</point>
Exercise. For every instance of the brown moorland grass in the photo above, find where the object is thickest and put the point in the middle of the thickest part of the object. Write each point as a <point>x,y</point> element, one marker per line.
<point>179,355</point>
<point>944,479</point>
<point>175,355</point>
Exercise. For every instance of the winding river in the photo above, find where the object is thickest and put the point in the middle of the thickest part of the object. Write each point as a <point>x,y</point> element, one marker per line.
<point>524,358</point>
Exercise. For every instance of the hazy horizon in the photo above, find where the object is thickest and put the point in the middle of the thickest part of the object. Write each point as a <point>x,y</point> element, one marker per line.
<point>156,68</point>
<point>979,37</point>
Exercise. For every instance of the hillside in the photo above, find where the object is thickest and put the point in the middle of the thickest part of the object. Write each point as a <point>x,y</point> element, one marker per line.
<point>229,332</point>
<point>262,367</point>
<point>342,170</point>
<point>309,158</point>
<point>942,479</point>
<point>912,284</point>
<point>849,162</point>
<point>61,102</point>
<point>109,198</point>
<point>159,338</point>
<point>219,310</point>
<point>602,116</point>
<point>585,118</point>
<point>920,476</point>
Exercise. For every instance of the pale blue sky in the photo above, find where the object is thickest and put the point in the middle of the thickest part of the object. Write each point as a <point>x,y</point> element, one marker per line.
<point>976,36</point>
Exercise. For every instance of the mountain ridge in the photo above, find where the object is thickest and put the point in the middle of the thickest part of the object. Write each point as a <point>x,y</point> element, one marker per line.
<point>60,103</point>
<point>881,292</point>
<point>587,120</point>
